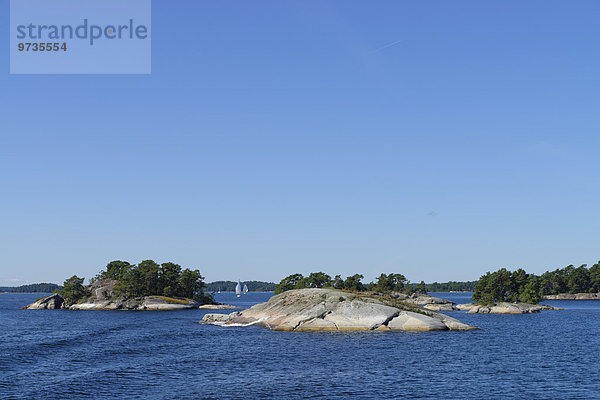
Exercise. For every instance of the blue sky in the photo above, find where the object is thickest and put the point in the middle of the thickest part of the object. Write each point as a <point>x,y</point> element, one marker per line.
<point>435,139</point>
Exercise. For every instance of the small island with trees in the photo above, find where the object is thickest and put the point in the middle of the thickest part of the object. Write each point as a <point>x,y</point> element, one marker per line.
<point>121,285</point>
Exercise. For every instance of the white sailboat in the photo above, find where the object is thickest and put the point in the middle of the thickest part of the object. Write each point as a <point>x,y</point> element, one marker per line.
<point>245,289</point>
<point>238,289</point>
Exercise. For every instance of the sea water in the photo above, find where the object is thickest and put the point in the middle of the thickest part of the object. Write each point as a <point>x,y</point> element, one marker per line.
<point>61,354</point>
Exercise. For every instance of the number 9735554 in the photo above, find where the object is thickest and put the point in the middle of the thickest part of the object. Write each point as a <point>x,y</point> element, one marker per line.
<point>42,46</point>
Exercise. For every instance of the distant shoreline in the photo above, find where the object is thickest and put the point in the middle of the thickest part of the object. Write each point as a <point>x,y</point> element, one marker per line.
<point>25,292</point>
<point>452,291</point>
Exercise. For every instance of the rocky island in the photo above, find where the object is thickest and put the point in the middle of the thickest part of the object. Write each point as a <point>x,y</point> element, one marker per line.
<point>336,310</point>
<point>504,308</point>
<point>123,286</point>
<point>438,304</point>
<point>103,297</point>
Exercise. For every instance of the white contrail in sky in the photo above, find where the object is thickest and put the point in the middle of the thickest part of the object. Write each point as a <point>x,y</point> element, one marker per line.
<point>385,47</point>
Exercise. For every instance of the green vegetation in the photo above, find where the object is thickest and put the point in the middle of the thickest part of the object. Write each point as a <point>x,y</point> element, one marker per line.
<point>385,283</point>
<point>504,285</point>
<point>149,278</point>
<point>391,282</point>
<point>229,286</point>
<point>73,290</point>
<point>32,288</point>
<point>295,281</point>
<point>354,283</point>
<point>172,300</point>
<point>571,280</point>
<point>452,286</point>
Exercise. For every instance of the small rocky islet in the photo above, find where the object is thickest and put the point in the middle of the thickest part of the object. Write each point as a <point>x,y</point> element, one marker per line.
<point>103,297</point>
<point>307,310</point>
<point>505,308</point>
<point>439,304</point>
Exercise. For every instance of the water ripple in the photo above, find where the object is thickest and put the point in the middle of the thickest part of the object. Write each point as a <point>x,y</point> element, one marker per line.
<point>164,355</point>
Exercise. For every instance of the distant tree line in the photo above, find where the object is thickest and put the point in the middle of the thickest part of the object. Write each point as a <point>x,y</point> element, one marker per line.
<point>144,279</point>
<point>452,286</point>
<point>504,285</point>
<point>571,280</point>
<point>385,283</point>
<point>32,288</point>
<point>229,286</point>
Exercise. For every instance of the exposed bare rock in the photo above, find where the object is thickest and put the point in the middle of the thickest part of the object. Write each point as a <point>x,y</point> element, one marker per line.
<point>424,299</point>
<point>317,324</point>
<point>334,310</point>
<point>352,315</point>
<point>104,289</point>
<point>167,303</point>
<point>432,303</point>
<point>409,321</point>
<point>215,319</point>
<point>573,296</point>
<point>219,307</point>
<point>504,308</point>
<point>97,304</point>
<point>140,303</point>
<point>455,325</point>
<point>441,307</point>
<point>52,302</point>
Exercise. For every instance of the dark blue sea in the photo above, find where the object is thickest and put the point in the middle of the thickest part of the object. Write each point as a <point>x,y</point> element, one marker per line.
<point>58,354</point>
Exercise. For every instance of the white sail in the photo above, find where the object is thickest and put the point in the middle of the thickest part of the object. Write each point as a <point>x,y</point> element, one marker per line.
<point>238,289</point>
<point>245,289</point>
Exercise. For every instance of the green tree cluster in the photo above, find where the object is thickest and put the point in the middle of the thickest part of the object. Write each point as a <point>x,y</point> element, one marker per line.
<point>385,283</point>
<point>571,280</point>
<point>149,278</point>
<point>297,281</point>
<point>73,290</point>
<point>452,286</point>
<point>389,283</point>
<point>504,285</point>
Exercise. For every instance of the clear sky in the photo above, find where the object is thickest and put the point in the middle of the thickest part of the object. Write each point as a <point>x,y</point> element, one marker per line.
<point>435,139</point>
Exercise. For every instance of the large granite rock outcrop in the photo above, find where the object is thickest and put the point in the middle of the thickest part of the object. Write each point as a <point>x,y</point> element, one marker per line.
<point>140,303</point>
<point>104,289</point>
<point>431,302</point>
<point>441,307</point>
<point>219,307</point>
<point>52,302</point>
<point>504,308</point>
<point>334,310</point>
<point>424,299</point>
